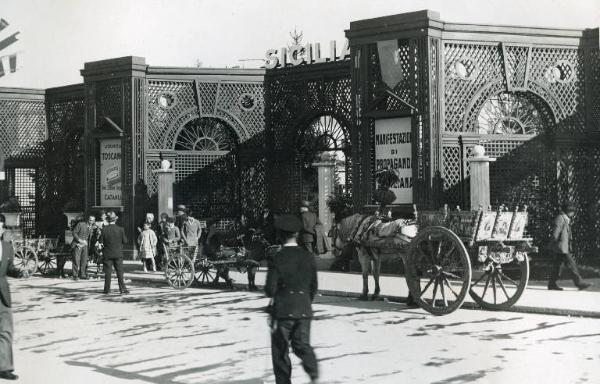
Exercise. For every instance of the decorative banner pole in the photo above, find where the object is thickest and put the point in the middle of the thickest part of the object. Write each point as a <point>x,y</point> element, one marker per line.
<point>166,178</point>
<point>480,178</point>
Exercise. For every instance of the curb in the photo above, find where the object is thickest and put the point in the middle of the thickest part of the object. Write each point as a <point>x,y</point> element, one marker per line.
<point>402,299</point>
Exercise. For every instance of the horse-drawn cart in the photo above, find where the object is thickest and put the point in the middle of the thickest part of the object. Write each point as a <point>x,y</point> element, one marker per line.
<point>483,253</point>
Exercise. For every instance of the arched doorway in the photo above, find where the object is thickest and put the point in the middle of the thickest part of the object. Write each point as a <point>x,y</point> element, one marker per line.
<point>207,179</point>
<point>324,135</point>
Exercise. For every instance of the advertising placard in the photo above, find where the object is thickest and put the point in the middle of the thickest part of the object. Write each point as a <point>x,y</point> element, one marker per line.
<point>393,149</point>
<point>110,172</point>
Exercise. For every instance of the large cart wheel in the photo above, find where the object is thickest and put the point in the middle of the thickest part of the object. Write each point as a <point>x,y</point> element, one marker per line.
<point>500,286</point>
<point>47,263</point>
<point>205,271</point>
<point>179,271</point>
<point>25,261</point>
<point>438,270</point>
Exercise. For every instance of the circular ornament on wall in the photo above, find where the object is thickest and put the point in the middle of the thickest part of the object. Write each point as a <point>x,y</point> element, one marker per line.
<point>465,69</point>
<point>247,101</point>
<point>561,72</point>
<point>167,100</point>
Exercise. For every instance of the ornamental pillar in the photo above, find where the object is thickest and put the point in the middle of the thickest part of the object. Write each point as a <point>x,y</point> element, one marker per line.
<point>480,178</point>
<point>325,174</point>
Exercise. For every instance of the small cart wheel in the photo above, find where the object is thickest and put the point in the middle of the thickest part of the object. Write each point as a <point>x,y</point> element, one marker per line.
<point>501,285</point>
<point>47,263</point>
<point>205,272</point>
<point>438,270</point>
<point>25,261</point>
<point>179,271</point>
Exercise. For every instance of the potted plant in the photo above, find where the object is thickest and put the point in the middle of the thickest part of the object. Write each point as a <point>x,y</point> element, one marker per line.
<point>11,210</point>
<point>72,209</point>
<point>385,178</point>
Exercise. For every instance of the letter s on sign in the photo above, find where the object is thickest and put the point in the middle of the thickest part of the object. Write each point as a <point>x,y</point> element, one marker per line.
<point>272,59</point>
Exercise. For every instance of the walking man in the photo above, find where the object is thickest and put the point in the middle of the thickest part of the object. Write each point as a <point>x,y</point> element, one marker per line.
<point>292,285</point>
<point>561,246</point>
<point>113,238</point>
<point>6,319</point>
<point>81,238</point>
<point>309,221</point>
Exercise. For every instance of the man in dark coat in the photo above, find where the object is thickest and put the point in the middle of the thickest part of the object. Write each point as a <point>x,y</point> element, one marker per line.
<point>113,237</point>
<point>292,285</point>
<point>81,238</point>
<point>309,221</point>
<point>562,247</point>
<point>6,319</point>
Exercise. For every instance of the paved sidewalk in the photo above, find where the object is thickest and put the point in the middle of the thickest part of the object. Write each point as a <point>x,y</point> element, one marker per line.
<point>535,299</point>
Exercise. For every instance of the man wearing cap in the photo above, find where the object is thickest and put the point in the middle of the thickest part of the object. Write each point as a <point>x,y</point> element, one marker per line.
<point>561,246</point>
<point>292,285</point>
<point>309,221</point>
<point>6,318</point>
<point>191,230</point>
<point>113,237</point>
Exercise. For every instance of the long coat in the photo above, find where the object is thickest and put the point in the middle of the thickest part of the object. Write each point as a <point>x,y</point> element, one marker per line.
<point>113,237</point>
<point>309,220</point>
<point>561,235</point>
<point>7,256</point>
<point>292,283</point>
<point>81,233</point>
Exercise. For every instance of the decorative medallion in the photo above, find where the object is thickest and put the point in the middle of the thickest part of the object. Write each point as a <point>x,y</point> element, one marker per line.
<point>561,72</point>
<point>509,114</point>
<point>247,102</point>
<point>464,69</point>
<point>167,100</point>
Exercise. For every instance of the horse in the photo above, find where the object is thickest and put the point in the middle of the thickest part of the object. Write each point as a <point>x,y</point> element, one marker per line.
<point>362,232</point>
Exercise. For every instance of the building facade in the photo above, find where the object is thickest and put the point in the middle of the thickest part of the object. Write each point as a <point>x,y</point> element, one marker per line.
<point>413,93</point>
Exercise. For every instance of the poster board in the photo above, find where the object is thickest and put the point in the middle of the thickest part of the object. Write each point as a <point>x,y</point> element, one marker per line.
<point>110,172</point>
<point>393,149</point>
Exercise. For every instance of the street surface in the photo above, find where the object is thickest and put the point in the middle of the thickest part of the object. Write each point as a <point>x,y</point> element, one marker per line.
<point>69,332</point>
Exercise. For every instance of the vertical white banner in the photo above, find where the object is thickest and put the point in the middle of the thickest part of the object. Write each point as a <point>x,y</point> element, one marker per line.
<point>110,172</point>
<point>393,149</point>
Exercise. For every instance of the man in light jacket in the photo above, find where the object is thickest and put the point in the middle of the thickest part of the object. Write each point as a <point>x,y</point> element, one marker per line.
<point>561,245</point>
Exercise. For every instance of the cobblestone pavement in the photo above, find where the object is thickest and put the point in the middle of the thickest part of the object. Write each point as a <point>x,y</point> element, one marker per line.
<point>69,332</point>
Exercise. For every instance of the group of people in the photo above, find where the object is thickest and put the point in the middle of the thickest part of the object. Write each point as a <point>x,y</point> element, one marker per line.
<point>100,239</point>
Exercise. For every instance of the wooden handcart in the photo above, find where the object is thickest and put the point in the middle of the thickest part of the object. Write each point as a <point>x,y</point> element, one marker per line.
<point>183,266</point>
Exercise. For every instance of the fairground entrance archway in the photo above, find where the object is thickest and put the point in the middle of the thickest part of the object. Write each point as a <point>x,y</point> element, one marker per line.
<point>324,137</point>
<point>207,168</point>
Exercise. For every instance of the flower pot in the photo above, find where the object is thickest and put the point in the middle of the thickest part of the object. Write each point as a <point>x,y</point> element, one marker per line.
<point>12,218</point>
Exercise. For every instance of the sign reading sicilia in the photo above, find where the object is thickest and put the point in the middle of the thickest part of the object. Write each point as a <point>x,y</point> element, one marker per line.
<point>304,54</point>
<point>393,149</point>
<point>110,172</point>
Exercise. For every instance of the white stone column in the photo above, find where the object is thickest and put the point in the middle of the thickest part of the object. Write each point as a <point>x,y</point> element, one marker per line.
<point>480,178</point>
<point>326,177</point>
<point>166,178</point>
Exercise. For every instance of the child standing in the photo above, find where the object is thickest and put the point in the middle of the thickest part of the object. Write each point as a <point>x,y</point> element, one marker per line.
<point>148,241</point>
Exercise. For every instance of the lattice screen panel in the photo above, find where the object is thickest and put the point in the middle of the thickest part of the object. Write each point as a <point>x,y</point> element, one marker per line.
<point>468,67</point>
<point>170,103</point>
<point>22,123</point>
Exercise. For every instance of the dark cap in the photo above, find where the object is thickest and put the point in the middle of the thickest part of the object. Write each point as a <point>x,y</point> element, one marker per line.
<point>305,203</point>
<point>568,207</point>
<point>111,217</point>
<point>170,219</point>
<point>181,208</point>
<point>288,223</point>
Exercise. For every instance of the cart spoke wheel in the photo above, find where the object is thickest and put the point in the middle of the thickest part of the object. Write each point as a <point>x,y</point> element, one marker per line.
<point>438,259</point>
<point>25,261</point>
<point>179,271</point>
<point>47,264</point>
<point>205,272</point>
<point>510,278</point>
